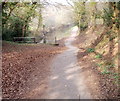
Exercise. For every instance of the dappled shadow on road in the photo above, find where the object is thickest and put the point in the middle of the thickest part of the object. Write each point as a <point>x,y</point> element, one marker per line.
<point>66,80</point>
<point>64,85</point>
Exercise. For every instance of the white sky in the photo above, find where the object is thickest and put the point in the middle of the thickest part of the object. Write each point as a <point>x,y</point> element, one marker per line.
<point>59,1</point>
<point>65,3</point>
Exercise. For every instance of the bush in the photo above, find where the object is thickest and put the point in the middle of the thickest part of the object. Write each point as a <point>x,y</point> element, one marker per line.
<point>90,50</point>
<point>98,56</point>
<point>83,27</point>
<point>13,28</point>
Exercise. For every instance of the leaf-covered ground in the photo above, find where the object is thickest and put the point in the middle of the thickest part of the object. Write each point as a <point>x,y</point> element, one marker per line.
<point>24,65</point>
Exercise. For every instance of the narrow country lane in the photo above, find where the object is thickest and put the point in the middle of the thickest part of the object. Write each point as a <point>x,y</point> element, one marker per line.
<point>60,50</point>
<point>66,81</point>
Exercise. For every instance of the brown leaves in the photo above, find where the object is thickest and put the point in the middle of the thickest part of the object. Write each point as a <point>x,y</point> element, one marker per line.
<point>20,63</point>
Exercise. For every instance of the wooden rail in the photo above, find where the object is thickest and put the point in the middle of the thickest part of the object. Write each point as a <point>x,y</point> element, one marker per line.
<point>24,39</point>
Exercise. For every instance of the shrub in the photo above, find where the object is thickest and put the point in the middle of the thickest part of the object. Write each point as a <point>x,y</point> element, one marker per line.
<point>98,56</point>
<point>90,50</point>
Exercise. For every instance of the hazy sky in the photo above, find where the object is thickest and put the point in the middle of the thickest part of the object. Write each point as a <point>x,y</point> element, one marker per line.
<point>64,2</point>
<point>56,17</point>
<point>59,1</point>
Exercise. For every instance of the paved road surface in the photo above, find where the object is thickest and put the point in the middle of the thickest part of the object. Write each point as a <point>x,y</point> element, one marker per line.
<point>66,81</point>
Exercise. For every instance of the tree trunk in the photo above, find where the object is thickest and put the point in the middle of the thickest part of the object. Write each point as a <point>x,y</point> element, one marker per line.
<point>79,27</point>
<point>24,30</point>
